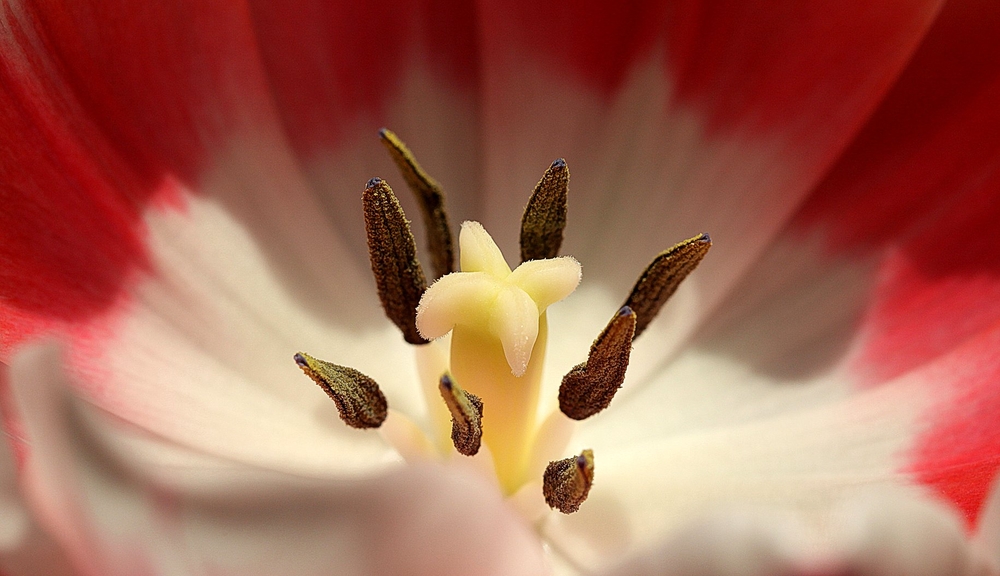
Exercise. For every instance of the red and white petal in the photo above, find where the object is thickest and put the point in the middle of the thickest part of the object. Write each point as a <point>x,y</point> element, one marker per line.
<point>201,354</point>
<point>121,501</point>
<point>916,196</point>
<point>734,543</point>
<point>341,70</point>
<point>679,118</point>
<point>690,442</point>
<point>98,122</point>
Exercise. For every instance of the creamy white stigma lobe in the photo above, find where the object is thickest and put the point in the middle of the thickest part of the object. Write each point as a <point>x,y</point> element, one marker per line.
<point>488,296</point>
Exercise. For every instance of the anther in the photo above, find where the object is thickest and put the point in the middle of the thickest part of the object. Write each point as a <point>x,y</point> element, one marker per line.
<point>466,416</point>
<point>393,254</point>
<point>545,216</point>
<point>660,279</point>
<point>358,398</point>
<point>431,198</point>
<point>566,483</point>
<point>589,387</point>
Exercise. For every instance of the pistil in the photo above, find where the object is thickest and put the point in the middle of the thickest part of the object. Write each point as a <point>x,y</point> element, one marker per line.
<point>490,383</point>
<point>498,336</point>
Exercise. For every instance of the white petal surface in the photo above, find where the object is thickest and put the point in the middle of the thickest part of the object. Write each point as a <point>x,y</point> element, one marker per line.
<point>122,502</point>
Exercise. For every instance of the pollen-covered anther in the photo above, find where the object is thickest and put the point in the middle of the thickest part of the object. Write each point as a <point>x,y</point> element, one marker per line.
<point>466,416</point>
<point>358,398</point>
<point>589,387</point>
<point>660,279</point>
<point>566,483</point>
<point>545,215</point>
<point>393,254</point>
<point>430,196</point>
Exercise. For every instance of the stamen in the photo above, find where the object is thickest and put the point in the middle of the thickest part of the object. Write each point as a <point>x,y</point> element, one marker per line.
<point>431,199</point>
<point>358,398</point>
<point>545,216</point>
<point>566,483</point>
<point>393,255</point>
<point>589,387</point>
<point>660,279</point>
<point>466,416</point>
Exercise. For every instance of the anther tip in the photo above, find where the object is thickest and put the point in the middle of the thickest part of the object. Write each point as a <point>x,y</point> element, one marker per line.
<point>706,238</point>
<point>301,360</point>
<point>373,183</point>
<point>446,381</point>
<point>581,462</point>
<point>625,311</point>
<point>559,163</point>
<point>383,132</point>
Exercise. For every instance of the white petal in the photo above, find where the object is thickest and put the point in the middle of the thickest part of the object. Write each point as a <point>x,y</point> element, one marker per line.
<point>122,502</point>
<point>548,281</point>
<point>479,253</point>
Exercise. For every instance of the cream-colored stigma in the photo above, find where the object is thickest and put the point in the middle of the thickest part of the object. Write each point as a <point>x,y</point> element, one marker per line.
<point>499,330</point>
<point>488,296</point>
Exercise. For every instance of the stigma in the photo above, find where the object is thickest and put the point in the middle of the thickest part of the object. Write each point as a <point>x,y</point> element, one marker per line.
<point>488,297</point>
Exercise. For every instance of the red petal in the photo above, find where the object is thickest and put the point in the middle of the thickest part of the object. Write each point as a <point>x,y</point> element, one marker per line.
<point>330,61</point>
<point>921,183</point>
<point>744,63</point>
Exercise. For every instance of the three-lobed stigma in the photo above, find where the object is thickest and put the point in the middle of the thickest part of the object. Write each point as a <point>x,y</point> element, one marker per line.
<point>498,327</point>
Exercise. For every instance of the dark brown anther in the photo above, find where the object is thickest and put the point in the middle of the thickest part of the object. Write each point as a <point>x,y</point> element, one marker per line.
<point>589,387</point>
<point>431,198</point>
<point>545,216</point>
<point>358,398</point>
<point>466,416</point>
<point>566,483</point>
<point>393,253</point>
<point>661,278</point>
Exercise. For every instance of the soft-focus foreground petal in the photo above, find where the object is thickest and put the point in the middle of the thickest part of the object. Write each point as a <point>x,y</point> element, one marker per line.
<point>25,548</point>
<point>988,533</point>
<point>339,70</point>
<point>730,544</point>
<point>861,348</point>
<point>122,502</point>
<point>883,534</point>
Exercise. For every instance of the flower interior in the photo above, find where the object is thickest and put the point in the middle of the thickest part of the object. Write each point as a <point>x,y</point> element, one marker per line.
<point>484,395</point>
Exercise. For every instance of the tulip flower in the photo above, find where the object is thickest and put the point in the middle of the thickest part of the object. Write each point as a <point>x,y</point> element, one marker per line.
<point>185,229</point>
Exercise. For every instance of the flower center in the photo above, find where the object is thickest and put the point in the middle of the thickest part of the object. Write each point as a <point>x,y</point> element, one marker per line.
<point>498,327</point>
